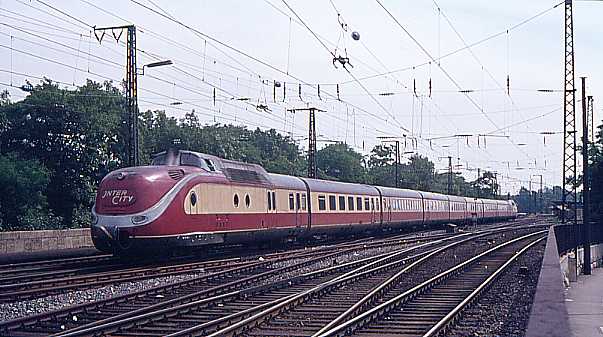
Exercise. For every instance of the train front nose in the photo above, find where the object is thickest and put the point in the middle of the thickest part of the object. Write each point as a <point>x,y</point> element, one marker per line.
<point>127,201</point>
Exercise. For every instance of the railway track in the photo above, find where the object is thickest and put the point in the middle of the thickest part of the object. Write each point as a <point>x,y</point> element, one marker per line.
<point>221,307</point>
<point>430,308</point>
<point>183,292</point>
<point>47,279</point>
<point>315,311</point>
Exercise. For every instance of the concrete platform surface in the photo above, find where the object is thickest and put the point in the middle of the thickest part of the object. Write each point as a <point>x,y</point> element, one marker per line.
<point>584,303</point>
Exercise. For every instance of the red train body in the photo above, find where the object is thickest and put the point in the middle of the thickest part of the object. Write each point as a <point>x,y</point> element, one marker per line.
<point>187,199</point>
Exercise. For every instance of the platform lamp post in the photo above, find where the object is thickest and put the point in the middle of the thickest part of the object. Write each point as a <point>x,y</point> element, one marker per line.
<point>156,64</point>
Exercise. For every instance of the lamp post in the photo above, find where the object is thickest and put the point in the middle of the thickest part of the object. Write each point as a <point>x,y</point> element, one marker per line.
<point>156,64</point>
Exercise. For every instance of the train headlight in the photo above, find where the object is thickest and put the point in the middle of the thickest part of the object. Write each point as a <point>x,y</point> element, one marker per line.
<point>138,219</point>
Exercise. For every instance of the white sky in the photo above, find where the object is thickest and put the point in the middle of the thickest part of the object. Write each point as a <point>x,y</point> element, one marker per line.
<point>531,54</point>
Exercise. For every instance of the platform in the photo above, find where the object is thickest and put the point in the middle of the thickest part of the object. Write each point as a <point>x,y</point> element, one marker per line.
<point>584,303</point>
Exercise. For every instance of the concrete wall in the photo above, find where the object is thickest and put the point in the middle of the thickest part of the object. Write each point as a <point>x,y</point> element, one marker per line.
<point>33,241</point>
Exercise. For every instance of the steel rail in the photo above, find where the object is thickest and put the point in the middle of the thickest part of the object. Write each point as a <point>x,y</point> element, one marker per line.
<point>453,316</point>
<point>148,314</point>
<point>351,277</point>
<point>346,328</point>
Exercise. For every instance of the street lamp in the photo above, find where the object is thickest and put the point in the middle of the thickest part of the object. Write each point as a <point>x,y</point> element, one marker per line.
<point>156,64</point>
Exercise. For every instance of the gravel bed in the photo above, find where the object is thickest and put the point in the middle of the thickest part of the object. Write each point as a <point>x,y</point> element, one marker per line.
<point>25,308</point>
<point>422,272</point>
<point>351,256</point>
<point>504,310</point>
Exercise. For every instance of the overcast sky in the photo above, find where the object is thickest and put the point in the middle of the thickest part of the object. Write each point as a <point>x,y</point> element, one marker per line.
<point>61,46</point>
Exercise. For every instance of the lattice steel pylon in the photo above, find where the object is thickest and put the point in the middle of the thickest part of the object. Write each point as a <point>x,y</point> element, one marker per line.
<point>131,83</point>
<point>311,139</point>
<point>569,121</point>
<point>591,120</point>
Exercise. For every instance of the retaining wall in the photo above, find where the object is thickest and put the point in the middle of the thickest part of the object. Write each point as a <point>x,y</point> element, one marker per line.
<point>34,241</point>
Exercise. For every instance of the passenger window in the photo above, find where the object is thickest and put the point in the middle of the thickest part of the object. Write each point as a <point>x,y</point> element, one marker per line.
<point>247,200</point>
<point>351,203</point>
<point>291,202</point>
<point>235,200</point>
<point>341,203</point>
<point>322,203</point>
<point>367,204</point>
<point>377,203</point>
<point>332,203</point>
<point>303,201</point>
<point>359,203</point>
<point>372,204</point>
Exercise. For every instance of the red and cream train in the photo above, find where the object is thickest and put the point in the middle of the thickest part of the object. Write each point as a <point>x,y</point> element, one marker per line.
<point>186,199</point>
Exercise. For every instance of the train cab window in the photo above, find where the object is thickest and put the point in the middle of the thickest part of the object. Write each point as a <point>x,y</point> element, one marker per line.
<point>367,204</point>
<point>291,202</point>
<point>269,201</point>
<point>359,203</point>
<point>247,200</point>
<point>297,201</point>
<point>341,203</point>
<point>332,203</point>
<point>322,203</point>
<point>235,200</point>
<point>303,202</point>
<point>210,164</point>
<point>351,203</point>
<point>189,159</point>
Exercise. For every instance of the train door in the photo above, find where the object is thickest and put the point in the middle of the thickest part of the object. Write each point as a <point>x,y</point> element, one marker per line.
<point>298,213</point>
<point>269,219</point>
<point>388,203</point>
<point>372,210</point>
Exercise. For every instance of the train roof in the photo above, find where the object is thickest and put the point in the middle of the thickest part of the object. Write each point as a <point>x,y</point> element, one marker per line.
<point>434,196</point>
<point>398,192</point>
<point>286,182</point>
<point>327,186</point>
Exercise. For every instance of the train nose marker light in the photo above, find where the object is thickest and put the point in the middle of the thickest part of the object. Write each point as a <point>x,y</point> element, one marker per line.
<point>138,219</point>
<point>121,176</point>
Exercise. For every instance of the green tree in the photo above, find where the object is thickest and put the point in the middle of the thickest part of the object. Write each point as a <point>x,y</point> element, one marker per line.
<point>340,162</point>
<point>23,185</point>
<point>76,135</point>
<point>418,174</point>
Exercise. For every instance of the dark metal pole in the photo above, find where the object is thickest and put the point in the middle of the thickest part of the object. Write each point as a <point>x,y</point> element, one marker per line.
<point>585,184</point>
<point>312,145</point>
<point>530,208</point>
<point>449,175</point>
<point>397,163</point>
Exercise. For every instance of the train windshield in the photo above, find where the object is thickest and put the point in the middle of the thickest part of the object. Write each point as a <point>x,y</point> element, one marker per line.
<point>159,160</point>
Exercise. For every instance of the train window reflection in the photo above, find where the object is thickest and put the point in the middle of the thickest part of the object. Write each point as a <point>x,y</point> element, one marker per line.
<point>322,203</point>
<point>332,203</point>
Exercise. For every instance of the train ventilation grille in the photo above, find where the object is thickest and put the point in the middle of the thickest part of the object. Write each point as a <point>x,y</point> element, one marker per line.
<point>176,174</point>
